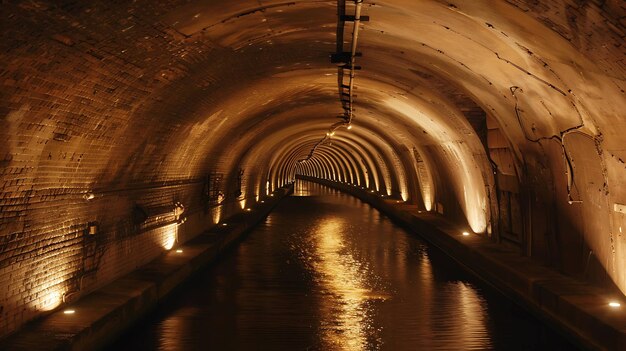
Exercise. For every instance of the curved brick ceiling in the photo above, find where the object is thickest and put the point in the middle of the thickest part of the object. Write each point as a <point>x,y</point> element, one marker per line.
<point>458,103</point>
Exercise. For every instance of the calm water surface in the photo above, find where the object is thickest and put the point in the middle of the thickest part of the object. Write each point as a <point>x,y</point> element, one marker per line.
<point>328,272</point>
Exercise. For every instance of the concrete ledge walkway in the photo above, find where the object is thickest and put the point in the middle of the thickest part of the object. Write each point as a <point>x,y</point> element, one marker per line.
<point>103,315</point>
<point>577,309</point>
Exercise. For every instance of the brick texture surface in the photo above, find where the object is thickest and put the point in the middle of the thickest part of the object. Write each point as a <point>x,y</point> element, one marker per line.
<point>83,110</point>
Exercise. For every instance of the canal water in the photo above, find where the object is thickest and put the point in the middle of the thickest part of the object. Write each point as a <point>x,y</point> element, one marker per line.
<point>326,271</point>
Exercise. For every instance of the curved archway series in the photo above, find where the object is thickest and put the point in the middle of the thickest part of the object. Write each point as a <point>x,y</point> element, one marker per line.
<point>504,115</point>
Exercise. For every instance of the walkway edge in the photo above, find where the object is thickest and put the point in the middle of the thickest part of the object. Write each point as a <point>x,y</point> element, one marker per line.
<point>578,310</point>
<point>105,314</point>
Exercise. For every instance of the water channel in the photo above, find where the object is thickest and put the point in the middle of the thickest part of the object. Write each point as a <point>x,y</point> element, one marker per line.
<point>326,271</point>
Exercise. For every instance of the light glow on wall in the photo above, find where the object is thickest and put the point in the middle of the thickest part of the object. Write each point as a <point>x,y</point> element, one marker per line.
<point>472,195</point>
<point>425,179</point>
<point>404,196</point>
<point>217,214</point>
<point>467,181</point>
<point>52,300</point>
<point>257,191</point>
<point>428,202</point>
<point>170,236</point>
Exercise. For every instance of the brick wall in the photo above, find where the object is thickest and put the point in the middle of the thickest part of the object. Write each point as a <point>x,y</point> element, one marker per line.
<point>84,110</point>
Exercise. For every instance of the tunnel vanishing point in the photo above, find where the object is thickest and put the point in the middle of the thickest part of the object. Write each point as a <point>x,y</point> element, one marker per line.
<point>129,127</point>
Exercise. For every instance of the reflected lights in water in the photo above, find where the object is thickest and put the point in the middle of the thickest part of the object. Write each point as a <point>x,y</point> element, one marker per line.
<point>471,328</point>
<point>346,314</point>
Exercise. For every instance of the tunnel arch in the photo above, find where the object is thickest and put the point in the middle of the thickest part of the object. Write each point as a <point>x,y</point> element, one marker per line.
<point>335,161</point>
<point>102,114</point>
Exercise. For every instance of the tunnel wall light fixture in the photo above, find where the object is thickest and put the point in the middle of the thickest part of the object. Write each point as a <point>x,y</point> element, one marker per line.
<point>92,228</point>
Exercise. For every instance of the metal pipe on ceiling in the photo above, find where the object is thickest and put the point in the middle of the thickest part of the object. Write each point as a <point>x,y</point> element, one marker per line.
<point>349,63</point>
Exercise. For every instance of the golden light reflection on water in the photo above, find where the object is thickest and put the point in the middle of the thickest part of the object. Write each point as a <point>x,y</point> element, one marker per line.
<point>346,311</point>
<point>173,327</point>
<point>327,273</point>
<point>474,333</point>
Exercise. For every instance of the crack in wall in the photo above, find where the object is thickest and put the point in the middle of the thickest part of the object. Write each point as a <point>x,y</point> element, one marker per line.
<point>247,13</point>
<point>571,183</point>
<point>457,61</point>
<point>531,74</point>
<point>530,53</point>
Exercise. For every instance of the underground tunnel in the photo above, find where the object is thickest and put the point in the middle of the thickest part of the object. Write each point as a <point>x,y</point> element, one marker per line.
<point>141,139</point>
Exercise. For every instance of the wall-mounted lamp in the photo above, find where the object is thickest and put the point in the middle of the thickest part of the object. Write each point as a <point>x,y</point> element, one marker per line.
<point>615,304</point>
<point>92,228</point>
<point>466,233</point>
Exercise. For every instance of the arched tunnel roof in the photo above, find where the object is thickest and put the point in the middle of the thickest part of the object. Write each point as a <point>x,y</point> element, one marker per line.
<point>453,100</point>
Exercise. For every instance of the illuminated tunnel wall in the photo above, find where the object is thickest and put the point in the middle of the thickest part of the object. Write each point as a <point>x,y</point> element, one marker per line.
<point>129,126</point>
